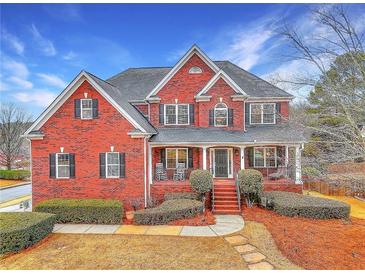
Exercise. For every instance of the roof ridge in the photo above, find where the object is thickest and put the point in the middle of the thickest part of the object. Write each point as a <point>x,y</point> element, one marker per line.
<point>101,79</point>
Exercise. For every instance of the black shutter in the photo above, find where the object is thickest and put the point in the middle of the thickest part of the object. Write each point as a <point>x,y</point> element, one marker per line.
<point>230,117</point>
<point>95,108</point>
<point>163,157</point>
<point>77,108</point>
<point>162,115</point>
<point>211,117</point>
<point>250,153</point>
<point>278,113</point>
<point>191,114</point>
<point>102,165</point>
<point>122,165</point>
<point>247,114</point>
<point>190,158</point>
<point>52,165</point>
<point>72,165</point>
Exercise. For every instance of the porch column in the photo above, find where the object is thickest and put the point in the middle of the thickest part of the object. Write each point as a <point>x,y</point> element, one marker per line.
<point>149,164</point>
<point>242,155</point>
<point>204,158</point>
<point>298,165</point>
<point>286,156</point>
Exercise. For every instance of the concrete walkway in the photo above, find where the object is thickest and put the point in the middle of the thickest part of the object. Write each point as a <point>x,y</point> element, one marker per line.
<point>225,224</point>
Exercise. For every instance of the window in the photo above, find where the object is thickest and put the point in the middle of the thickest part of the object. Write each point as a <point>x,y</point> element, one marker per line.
<point>177,114</point>
<point>112,165</point>
<point>62,165</point>
<point>86,109</point>
<point>265,157</point>
<point>220,115</point>
<point>175,156</point>
<point>262,113</point>
<point>195,70</point>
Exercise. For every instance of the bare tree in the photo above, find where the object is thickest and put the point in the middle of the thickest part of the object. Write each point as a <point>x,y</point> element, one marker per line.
<point>337,103</point>
<point>13,122</point>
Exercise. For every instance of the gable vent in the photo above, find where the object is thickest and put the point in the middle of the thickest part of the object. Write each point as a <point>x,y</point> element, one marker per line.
<point>195,70</point>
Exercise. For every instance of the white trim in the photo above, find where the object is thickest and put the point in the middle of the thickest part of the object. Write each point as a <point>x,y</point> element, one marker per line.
<point>204,158</point>
<point>221,75</point>
<point>106,165</point>
<point>298,165</point>
<point>57,165</point>
<point>145,170</point>
<point>226,109</point>
<point>262,113</point>
<point>177,157</point>
<point>264,166</point>
<point>248,144</point>
<point>193,50</point>
<point>67,92</point>
<point>198,71</point>
<point>229,161</point>
<point>149,167</point>
<point>202,98</point>
<point>242,157</point>
<point>269,99</point>
<point>81,109</point>
<point>176,114</point>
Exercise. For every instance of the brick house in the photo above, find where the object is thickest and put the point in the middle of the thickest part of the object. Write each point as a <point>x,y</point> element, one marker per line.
<point>103,138</point>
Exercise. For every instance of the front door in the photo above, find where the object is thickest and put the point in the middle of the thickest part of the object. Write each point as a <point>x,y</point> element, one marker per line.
<point>221,163</point>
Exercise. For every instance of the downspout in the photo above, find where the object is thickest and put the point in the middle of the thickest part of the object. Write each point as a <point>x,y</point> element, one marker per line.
<point>145,171</point>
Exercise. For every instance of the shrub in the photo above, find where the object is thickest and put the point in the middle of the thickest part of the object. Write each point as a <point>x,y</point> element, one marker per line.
<point>14,174</point>
<point>201,181</point>
<point>311,171</point>
<point>169,211</point>
<point>181,195</point>
<point>20,230</point>
<point>91,211</point>
<point>251,185</point>
<point>293,204</point>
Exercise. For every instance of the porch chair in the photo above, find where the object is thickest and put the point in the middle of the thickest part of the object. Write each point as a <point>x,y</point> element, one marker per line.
<point>179,174</point>
<point>160,172</point>
<point>280,173</point>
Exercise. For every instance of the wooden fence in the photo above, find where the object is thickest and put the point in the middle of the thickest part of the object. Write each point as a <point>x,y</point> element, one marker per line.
<point>336,188</point>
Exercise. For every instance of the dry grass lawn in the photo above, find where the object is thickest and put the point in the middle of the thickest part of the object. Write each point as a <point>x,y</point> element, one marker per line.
<point>5,183</point>
<point>76,251</point>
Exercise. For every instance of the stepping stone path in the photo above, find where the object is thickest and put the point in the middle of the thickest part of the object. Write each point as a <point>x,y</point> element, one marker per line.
<point>249,253</point>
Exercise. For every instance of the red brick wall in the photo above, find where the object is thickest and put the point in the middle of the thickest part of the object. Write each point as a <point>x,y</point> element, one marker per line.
<point>142,108</point>
<point>87,138</point>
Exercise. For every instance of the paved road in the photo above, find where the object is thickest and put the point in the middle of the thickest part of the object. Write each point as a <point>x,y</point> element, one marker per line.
<point>15,192</point>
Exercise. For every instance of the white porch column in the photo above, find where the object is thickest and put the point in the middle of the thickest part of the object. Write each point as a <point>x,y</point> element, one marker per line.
<point>150,164</point>
<point>286,156</point>
<point>298,165</point>
<point>204,158</point>
<point>242,155</point>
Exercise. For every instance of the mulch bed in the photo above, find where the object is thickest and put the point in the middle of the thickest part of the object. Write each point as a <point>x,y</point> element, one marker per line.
<point>315,244</point>
<point>206,218</point>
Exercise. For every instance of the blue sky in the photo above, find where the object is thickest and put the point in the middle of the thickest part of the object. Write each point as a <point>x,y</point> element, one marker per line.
<point>44,46</point>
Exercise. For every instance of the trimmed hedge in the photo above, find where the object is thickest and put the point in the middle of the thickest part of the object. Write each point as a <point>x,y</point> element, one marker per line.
<point>293,204</point>
<point>20,230</point>
<point>90,211</point>
<point>169,211</point>
<point>251,185</point>
<point>14,174</point>
<point>201,181</point>
<point>181,195</point>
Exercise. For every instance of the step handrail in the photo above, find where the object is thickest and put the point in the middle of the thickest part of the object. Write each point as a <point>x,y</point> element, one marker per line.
<point>211,172</point>
<point>238,191</point>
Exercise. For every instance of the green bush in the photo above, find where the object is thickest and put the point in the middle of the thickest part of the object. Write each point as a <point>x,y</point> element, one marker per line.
<point>251,185</point>
<point>169,211</point>
<point>90,211</point>
<point>310,171</point>
<point>14,174</point>
<point>20,230</point>
<point>201,181</point>
<point>293,204</point>
<point>181,195</point>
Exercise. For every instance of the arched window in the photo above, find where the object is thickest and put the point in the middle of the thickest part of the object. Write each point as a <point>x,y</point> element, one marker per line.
<point>220,115</point>
<point>195,70</point>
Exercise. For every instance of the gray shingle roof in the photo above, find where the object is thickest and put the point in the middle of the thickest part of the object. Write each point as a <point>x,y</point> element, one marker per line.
<point>123,102</point>
<point>267,134</point>
<point>137,83</point>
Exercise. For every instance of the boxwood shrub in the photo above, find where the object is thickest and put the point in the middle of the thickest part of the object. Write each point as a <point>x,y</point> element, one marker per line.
<point>20,230</point>
<point>181,195</point>
<point>90,211</point>
<point>169,211</point>
<point>14,174</point>
<point>293,204</point>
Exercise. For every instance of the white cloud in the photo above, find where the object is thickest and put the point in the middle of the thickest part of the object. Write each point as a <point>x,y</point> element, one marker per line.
<point>46,46</point>
<point>52,80</point>
<point>39,97</point>
<point>13,67</point>
<point>20,82</point>
<point>69,56</point>
<point>13,41</point>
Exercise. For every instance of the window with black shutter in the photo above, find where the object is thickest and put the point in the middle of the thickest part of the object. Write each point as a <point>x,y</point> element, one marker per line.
<point>77,108</point>
<point>102,166</point>
<point>121,165</point>
<point>62,165</point>
<point>191,114</point>
<point>95,108</point>
<point>230,117</point>
<point>52,165</point>
<point>211,117</point>
<point>162,114</point>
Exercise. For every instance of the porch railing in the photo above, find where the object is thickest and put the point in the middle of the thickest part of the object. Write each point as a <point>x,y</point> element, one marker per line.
<point>237,184</point>
<point>213,201</point>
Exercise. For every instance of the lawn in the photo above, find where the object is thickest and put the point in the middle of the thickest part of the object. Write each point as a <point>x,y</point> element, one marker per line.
<point>6,183</point>
<point>315,244</point>
<point>75,251</point>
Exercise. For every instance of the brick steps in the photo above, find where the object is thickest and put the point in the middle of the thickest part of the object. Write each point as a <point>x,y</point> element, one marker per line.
<point>225,198</point>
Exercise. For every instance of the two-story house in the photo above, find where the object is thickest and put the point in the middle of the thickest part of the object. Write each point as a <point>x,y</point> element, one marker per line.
<point>105,138</point>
